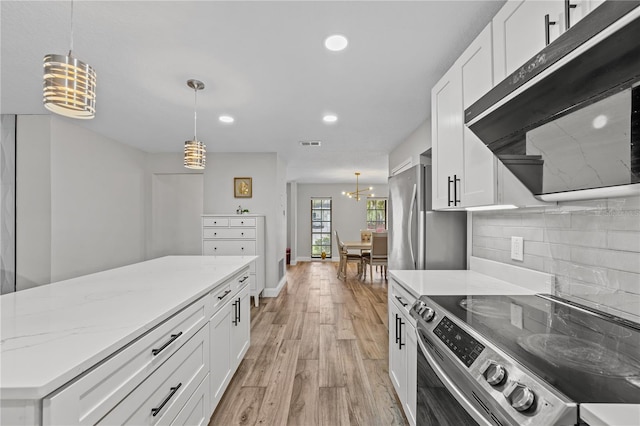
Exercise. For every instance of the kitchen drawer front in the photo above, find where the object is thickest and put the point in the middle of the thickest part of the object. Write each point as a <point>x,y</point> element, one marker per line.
<point>87,399</point>
<point>230,233</point>
<point>220,296</point>
<point>228,248</point>
<point>215,221</point>
<point>406,298</point>
<point>242,222</point>
<point>196,411</point>
<point>168,389</point>
<point>241,280</point>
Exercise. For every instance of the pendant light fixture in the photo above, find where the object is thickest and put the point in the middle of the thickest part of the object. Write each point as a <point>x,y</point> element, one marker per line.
<point>195,152</point>
<point>358,192</point>
<point>69,84</point>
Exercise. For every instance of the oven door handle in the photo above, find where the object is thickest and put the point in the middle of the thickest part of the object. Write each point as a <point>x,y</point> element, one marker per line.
<point>448,383</point>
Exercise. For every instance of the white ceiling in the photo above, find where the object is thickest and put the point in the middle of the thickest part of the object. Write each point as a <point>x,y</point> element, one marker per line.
<point>262,62</point>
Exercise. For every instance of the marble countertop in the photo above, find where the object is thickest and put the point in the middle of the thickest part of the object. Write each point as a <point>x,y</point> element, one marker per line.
<point>483,277</point>
<point>52,333</point>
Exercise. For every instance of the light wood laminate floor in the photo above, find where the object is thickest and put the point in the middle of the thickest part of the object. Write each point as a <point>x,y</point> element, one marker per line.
<point>319,355</point>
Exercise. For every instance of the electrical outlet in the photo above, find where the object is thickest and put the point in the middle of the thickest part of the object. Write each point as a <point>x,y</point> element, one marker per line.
<point>517,248</point>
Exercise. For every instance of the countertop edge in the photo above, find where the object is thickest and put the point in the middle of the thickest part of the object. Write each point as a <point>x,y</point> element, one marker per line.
<point>610,414</point>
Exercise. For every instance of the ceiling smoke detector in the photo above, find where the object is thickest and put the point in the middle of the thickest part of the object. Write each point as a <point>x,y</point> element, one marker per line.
<point>310,143</point>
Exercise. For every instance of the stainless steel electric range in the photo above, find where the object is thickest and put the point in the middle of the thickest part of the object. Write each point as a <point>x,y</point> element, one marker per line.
<point>520,360</point>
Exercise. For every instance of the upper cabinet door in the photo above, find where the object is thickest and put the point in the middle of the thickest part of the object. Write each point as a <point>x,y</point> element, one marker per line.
<point>476,66</point>
<point>446,132</point>
<point>521,30</point>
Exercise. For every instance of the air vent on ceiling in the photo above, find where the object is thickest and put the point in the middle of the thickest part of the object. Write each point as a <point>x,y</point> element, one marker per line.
<point>310,143</point>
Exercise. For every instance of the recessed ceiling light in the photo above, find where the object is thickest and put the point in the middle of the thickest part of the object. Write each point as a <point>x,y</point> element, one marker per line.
<point>330,118</point>
<point>336,43</point>
<point>226,119</point>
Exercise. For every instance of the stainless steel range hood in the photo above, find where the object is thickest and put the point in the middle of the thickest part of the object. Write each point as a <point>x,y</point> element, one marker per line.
<point>567,123</point>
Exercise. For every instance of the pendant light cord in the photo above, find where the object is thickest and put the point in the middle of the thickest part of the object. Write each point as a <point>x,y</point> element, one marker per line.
<point>71,43</point>
<point>195,115</point>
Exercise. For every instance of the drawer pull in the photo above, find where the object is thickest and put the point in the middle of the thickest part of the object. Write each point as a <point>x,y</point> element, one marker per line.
<point>173,338</point>
<point>401,302</point>
<point>155,411</point>
<point>224,295</point>
<point>243,279</point>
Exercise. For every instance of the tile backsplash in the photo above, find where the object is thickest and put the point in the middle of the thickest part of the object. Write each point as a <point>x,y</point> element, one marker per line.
<point>592,247</point>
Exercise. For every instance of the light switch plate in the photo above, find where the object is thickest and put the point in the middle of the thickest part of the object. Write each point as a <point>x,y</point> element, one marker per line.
<point>517,248</point>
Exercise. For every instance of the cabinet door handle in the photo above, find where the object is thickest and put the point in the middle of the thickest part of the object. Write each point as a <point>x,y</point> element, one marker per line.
<point>397,332</point>
<point>238,317</point>
<point>155,411</point>
<point>547,25</point>
<point>567,13</point>
<point>170,341</point>
<point>234,321</point>
<point>401,302</point>
<point>449,182</point>
<point>224,295</point>
<point>456,181</point>
<point>243,279</point>
<point>400,336</point>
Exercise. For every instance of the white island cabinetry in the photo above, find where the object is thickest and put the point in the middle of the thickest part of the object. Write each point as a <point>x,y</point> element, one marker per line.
<point>237,235</point>
<point>131,345</point>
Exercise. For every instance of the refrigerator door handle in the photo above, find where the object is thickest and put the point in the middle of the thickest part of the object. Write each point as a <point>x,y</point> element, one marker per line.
<point>413,204</point>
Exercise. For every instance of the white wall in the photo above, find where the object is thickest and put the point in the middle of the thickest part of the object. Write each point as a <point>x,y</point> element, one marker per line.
<point>269,191</point>
<point>33,201</point>
<point>97,202</point>
<point>348,216</point>
<point>411,148</point>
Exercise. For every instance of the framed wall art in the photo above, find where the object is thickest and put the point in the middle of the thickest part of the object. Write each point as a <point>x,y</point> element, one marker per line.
<point>242,187</point>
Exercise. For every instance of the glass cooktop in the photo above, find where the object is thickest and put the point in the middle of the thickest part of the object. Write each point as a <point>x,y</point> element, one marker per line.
<point>587,355</point>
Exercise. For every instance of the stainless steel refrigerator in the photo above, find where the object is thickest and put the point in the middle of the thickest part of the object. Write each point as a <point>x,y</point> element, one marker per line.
<point>420,238</point>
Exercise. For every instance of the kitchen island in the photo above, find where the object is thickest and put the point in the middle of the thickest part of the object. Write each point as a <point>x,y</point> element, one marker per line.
<point>73,350</point>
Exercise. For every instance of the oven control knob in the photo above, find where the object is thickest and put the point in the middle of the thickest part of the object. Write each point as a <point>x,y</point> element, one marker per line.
<point>419,307</point>
<point>519,396</point>
<point>495,374</point>
<point>428,314</point>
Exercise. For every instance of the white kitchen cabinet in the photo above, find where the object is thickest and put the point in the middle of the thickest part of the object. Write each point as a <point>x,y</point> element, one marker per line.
<point>240,339</point>
<point>463,167</point>
<point>237,235</point>
<point>89,398</point>
<point>519,32</point>
<point>163,375</point>
<point>446,128</point>
<point>402,349</point>
<point>520,29</point>
<point>230,328</point>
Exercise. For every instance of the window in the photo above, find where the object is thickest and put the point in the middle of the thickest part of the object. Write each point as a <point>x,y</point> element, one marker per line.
<point>376,213</point>
<point>320,227</point>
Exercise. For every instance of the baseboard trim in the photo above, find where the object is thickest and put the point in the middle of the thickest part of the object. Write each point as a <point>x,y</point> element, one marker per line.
<point>309,259</point>
<point>274,292</point>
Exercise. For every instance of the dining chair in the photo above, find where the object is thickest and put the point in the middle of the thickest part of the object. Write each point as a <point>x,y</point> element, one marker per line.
<point>377,256</point>
<point>346,257</point>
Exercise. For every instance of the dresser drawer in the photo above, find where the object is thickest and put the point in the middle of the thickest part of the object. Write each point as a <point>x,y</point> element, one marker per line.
<point>215,221</point>
<point>245,221</point>
<point>87,399</point>
<point>159,399</point>
<point>229,233</point>
<point>229,248</point>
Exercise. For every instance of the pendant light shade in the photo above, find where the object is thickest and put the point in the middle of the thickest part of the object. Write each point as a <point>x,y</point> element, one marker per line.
<point>69,86</point>
<point>195,152</point>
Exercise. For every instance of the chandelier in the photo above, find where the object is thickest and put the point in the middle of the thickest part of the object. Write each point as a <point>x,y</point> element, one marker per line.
<point>69,86</point>
<point>195,151</point>
<point>358,192</point>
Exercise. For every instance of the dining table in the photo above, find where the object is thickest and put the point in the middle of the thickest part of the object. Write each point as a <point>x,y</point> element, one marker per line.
<point>357,245</point>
